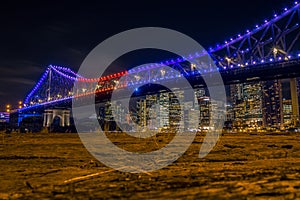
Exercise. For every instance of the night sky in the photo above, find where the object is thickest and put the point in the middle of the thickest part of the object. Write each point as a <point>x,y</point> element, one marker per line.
<point>36,34</point>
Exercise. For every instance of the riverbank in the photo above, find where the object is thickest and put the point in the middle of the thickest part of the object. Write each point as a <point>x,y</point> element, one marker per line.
<point>57,166</point>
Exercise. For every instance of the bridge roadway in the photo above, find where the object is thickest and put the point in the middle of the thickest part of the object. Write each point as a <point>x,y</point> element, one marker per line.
<point>247,74</point>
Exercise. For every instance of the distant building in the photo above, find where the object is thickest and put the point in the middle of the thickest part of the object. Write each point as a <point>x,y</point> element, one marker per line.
<point>205,112</point>
<point>247,104</point>
<point>163,110</point>
<point>4,117</point>
<point>267,104</point>
<point>287,113</point>
<point>147,112</point>
<point>272,109</point>
<point>176,116</point>
<point>253,97</point>
<point>237,109</point>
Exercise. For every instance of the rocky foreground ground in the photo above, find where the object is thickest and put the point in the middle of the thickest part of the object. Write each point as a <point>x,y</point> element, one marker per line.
<point>241,166</point>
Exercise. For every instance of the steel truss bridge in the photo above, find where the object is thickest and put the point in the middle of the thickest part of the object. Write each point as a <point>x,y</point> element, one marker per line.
<point>271,50</point>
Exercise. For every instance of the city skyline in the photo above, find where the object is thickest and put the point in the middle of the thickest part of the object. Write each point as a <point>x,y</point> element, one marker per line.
<point>255,100</point>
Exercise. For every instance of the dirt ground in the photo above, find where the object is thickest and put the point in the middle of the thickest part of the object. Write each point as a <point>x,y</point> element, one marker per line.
<point>241,166</point>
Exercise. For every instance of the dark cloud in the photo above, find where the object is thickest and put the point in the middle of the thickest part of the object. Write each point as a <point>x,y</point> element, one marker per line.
<point>19,68</point>
<point>22,81</point>
<point>2,94</point>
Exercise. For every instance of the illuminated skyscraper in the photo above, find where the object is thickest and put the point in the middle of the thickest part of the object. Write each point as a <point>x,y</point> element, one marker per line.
<point>237,105</point>
<point>247,103</point>
<point>163,110</point>
<point>295,101</point>
<point>253,97</point>
<point>176,115</point>
<point>152,107</point>
<point>153,111</point>
<point>287,113</point>
<point>298,89</point>
<point>272,104</point>
<point>205,112</point>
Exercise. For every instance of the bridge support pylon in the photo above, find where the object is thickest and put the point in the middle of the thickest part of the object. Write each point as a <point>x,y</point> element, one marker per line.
<point>63,115</point>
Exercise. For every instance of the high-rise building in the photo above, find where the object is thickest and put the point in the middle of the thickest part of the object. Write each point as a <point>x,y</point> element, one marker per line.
<point>236,93</point>
<point>191,116</point>
<point>295,101</point>
<point>253,97</point>
<point>287,111</point>
<point>200,92</point>
<point>298,93</point>
<point>247,104</point>
<point>151,106</point>
<point>163,110</point>
<point>272,104</point>
<point>153,111</point>
<point>176,114</point>
<point>205,112</point>
<point>237,105</point>
<point>143,114</point>
<point>119,113</point>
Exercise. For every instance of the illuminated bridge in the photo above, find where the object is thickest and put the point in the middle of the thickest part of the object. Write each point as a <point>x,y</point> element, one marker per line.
<point>270,50</point>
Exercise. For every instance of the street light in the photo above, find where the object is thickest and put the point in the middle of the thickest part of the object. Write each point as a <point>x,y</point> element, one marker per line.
<point>7,108</point>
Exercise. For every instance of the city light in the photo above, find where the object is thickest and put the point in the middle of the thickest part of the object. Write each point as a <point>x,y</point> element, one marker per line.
<point>193,66</point>
<point>228,59</point>
<point>8,108</point>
